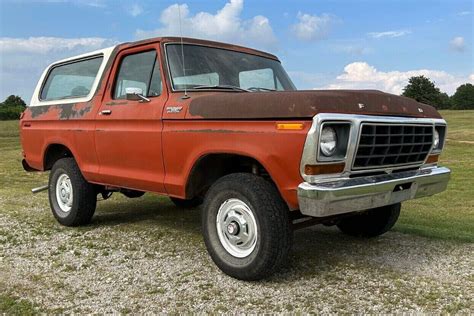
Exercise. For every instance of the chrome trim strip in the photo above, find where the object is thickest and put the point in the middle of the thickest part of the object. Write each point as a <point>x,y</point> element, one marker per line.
<point>311,146</point>
<point>357,194</point>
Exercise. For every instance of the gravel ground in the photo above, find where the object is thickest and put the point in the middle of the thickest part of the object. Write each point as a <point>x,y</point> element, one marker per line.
<point>145,255</point>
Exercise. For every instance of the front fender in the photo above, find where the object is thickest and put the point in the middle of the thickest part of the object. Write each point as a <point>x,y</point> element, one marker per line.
<point>278,151</point>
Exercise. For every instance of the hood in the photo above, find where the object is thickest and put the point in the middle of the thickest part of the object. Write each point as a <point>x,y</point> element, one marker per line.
<point>304,104</point>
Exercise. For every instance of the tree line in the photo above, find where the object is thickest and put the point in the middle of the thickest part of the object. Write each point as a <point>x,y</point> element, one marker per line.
<point>420,88</point>
<point>11,108</point>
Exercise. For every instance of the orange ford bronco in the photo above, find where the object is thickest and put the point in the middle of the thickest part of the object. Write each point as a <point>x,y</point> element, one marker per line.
<point>221,125</point>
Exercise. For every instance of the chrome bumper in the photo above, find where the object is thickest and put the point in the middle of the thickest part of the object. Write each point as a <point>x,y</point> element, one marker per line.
<point>357,194</point>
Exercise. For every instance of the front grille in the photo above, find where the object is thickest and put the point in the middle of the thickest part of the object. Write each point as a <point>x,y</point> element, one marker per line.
<point>383,145</point>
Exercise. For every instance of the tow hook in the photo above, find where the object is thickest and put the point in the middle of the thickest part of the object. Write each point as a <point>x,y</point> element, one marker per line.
<point>39,189</point>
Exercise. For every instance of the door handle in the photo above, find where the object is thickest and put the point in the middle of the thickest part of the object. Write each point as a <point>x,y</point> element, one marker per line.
<point>105,112</point>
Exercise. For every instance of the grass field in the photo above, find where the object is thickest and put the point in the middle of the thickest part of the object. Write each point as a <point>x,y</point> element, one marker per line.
<point>47,267</point>
<point>449,215</point>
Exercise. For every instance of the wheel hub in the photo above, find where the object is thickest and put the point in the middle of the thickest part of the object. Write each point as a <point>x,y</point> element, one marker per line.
<point>64,193</point>
<point>233,228</point>
<point>236,228</point>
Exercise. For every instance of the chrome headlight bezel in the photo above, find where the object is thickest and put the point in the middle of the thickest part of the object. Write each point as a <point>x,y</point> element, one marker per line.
<point>341,131</point>
<point>440,133</point>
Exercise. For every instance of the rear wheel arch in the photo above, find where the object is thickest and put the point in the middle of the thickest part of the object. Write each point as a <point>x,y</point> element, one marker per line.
<point>210,167</point>
<point>53,153</point>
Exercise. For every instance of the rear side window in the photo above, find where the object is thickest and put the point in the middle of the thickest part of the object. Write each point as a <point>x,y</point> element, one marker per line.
<point>71,80</point>
<point>141,71</point>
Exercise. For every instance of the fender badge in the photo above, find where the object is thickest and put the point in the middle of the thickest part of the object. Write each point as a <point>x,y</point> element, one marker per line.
<point>420,110</point>
<point>173,109</point>
<point>361,105</point>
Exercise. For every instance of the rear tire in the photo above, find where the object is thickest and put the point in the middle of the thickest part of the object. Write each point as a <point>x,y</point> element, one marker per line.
<point>72,199</point>
<point>246,227</point>
<point>191,203</point>
<point>371,223</point>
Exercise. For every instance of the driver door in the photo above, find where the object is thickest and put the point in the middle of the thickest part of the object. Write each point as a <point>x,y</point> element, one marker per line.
<point>128,130</point>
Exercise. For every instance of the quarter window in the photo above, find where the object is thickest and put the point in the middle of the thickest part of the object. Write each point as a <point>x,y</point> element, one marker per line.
<point>71,80</point>
<point>141,71</point>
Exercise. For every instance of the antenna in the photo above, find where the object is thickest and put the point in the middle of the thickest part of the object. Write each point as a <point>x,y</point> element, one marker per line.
<point>182,52</point>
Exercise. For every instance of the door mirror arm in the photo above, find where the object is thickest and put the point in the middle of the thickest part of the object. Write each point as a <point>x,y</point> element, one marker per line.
<point>136,94</point>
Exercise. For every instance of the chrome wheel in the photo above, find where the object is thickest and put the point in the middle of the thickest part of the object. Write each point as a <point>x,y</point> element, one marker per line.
<point>64,193</point>
<point>237,228</point>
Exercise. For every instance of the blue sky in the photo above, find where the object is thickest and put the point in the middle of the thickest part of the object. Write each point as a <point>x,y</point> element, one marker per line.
<point>322,44</point>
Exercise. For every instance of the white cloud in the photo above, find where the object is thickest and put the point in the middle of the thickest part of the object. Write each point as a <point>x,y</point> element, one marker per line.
<point>464,13</point>
<point>361,75</point>
<point>23,59</point>
<point>391,34</point>
<point>135,10</point>
<point>471,77</point>
<point>312,27</point>
<point>458,44</point>
<point>225,25</point>
<point>43,45</point>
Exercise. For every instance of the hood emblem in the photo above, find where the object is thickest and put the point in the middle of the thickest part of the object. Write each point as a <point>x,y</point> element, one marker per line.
<point>361,105</point>
<point>420,110</point>
<point>173,109</point>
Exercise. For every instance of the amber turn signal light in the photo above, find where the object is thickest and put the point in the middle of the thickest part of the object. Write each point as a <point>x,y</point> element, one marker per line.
<point>432,159</point>
<point>294,126</point>
<point>324,169</point>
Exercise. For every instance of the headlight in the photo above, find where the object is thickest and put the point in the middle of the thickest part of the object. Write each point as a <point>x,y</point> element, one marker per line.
<point>328,141</point>
<point>436,139</point>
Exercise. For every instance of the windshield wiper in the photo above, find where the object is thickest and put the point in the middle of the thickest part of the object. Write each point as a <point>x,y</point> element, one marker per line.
<point>255,89</point>
<point>228,87</point>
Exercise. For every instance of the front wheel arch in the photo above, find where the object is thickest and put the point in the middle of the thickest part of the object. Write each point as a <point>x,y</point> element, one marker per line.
<point>210,167</point>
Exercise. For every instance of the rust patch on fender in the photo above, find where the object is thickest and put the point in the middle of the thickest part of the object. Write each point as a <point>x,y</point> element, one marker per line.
<point>227,131</point>
<point>69,111</point>
<point>38,110</point>
<point>66,111</point>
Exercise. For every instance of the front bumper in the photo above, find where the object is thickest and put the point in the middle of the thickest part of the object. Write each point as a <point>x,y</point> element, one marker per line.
<point>356,194</point>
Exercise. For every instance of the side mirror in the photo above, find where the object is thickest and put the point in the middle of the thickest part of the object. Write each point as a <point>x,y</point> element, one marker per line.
<point>136,94</point>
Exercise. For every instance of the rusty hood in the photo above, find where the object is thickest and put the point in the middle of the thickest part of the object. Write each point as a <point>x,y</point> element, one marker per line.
<point>303,104</point>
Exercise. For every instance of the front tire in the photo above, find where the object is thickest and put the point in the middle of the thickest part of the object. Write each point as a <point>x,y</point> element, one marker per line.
<point>371,223</point>
<point>72,199</point>
<point>246,227</point>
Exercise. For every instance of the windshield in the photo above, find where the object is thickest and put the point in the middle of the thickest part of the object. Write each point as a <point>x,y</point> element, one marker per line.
<point>208,68</point>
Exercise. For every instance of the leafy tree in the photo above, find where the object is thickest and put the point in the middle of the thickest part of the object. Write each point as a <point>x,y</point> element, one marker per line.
<point>463,98</point>
<point>11,108</point>
<point>14,100</point>
<point>422,89</point>
<point>445,101</point>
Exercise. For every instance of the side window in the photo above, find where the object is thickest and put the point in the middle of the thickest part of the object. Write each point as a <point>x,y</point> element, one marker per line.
<point>140,70</point>
<point>257,78</point>
<point>155,83</point>
<point>71,80</point>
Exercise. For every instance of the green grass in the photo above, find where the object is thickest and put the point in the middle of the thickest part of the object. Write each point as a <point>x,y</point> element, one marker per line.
<point>449,215</point>
<point>13,306</point>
